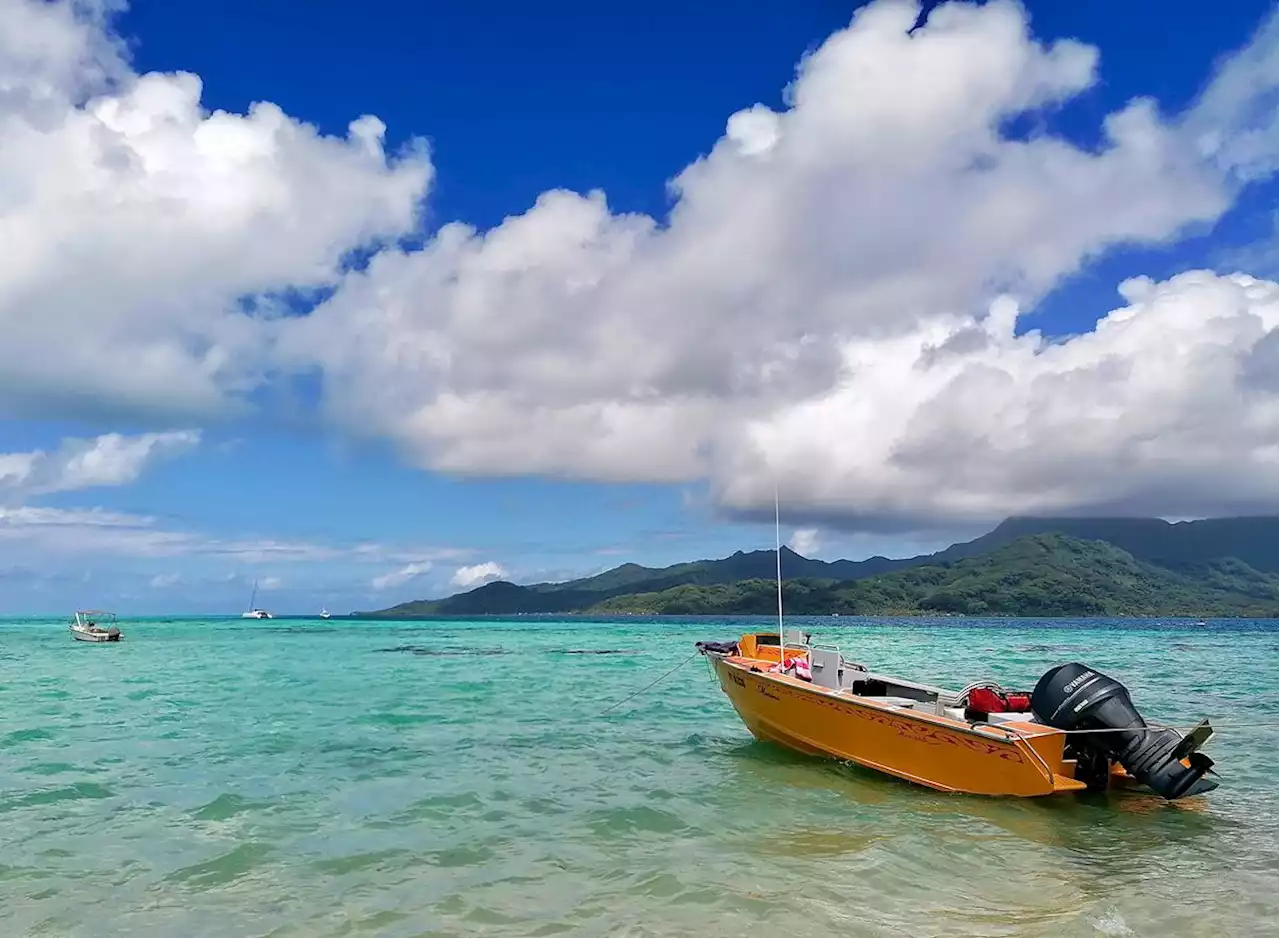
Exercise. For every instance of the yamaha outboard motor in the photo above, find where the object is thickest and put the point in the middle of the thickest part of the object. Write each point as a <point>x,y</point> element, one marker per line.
<point>1074,697</point>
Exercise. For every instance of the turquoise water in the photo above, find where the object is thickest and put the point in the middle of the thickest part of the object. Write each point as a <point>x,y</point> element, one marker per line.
<point>307,778</point>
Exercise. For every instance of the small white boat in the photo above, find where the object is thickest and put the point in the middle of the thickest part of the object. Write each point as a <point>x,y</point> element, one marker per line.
<point>95,625</point>
<point>324,613</point>
<point>253,611</point>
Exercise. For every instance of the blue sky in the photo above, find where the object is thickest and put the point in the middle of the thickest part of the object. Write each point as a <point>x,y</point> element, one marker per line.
<point>336,483</point>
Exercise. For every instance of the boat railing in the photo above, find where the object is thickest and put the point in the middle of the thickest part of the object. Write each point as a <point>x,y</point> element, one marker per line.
<point>1044,766</point>
<point>1021,743</point>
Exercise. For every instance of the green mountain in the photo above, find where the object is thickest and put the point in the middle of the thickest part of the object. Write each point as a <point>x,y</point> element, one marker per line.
<point>503,598</point>
<point>1205,566</point>
<point>1035,575</point>
<point>742,565</point>
<point>1181,545</point>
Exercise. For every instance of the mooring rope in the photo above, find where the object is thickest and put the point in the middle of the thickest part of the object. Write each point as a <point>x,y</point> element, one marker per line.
<point>653,683</point>
<point>1156,726</point>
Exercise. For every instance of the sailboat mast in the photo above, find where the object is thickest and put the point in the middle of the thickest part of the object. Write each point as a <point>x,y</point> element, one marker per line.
<point>777,551</point>
<point>253,597</point>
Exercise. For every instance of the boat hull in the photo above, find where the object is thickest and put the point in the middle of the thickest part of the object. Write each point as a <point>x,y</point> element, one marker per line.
<point>935,751</point>
<point>95,638</point>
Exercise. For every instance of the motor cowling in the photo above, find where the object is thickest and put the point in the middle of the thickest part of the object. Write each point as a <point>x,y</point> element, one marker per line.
<point>1079,698</point>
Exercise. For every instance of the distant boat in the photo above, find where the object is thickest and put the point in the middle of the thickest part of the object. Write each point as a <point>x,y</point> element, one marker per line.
<point>324,613</point>
<point>95,625</point>
<point>254,612</point>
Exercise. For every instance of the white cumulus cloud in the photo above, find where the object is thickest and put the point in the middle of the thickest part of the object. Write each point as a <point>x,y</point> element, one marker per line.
<point>831,305</point>
<point>136,222</point>
<point>410,571</point>
<point>1236,123</point>
<point>110,459</point>
<point>1168,407</point>
<point>806,541</point>
<point>477,574</point>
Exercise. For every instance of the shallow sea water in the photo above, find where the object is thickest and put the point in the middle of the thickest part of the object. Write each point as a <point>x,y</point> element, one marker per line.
<point>314,779</point>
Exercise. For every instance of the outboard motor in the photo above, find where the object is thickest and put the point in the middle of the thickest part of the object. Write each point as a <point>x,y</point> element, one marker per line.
<point>1075,697</point>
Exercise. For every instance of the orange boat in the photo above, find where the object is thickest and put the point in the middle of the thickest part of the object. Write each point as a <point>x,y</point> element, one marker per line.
<point>1078,730</point>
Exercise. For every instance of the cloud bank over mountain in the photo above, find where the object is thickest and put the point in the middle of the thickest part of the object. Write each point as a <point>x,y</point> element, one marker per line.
<point>836,303</point>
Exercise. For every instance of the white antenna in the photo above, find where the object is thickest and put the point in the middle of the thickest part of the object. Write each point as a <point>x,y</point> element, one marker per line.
<point>777,536</point>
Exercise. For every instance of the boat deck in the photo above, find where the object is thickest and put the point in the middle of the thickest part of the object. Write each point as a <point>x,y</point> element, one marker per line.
<point>907,731</point>
<point>1024,724</point>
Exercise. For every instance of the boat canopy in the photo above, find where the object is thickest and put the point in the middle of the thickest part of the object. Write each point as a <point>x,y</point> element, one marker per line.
<point>94,615</point>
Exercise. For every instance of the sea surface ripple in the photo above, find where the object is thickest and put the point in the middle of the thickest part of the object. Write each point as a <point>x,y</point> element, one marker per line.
<point>305,778</point>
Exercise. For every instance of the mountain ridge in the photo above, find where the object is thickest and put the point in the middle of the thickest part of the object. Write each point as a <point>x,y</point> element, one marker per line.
<point>1188,548</point>
<point>1033,575</point>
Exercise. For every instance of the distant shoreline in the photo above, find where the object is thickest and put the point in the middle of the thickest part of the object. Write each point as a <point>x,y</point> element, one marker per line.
<point>1059,568</point>
<point>160,618</point>
<point>1190,618</point>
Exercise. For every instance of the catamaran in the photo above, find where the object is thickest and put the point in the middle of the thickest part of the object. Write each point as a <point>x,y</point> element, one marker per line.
<point>253,612</point>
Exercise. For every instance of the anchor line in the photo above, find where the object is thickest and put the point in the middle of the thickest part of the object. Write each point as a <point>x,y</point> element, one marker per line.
<point>1161,726</point>
<point>651,684</point>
